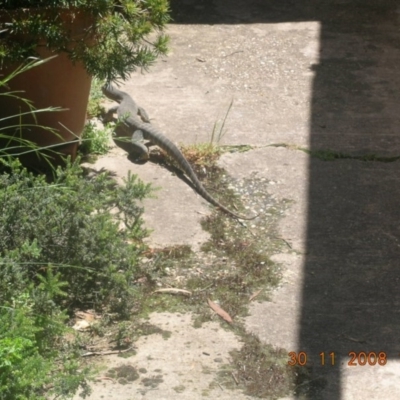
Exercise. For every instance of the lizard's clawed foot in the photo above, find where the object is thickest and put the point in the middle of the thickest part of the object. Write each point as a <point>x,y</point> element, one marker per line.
<point>138,159</point>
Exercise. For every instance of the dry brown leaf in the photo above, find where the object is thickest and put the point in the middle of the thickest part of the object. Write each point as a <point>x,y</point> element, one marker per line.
<point>254,295</point>
<point>173,291</point>
<point>218,310</point>
<point>81,325</point>
<point>86,315</point>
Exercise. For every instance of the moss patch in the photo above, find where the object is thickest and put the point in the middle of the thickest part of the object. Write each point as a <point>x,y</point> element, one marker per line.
<point>123,374</point>
<point>259,370</point>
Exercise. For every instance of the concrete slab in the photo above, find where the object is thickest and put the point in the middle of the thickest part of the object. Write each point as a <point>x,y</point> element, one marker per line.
<point>180,367</point>
<point>316,74</point>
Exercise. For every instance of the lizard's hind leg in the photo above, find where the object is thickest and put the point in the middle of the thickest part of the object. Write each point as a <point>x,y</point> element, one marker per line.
<point>132,144</point>
<point>138,147</point>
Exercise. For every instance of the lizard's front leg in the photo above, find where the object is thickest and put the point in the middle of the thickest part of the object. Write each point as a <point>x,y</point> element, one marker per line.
<point>143,114</point>
<point>109,114</point>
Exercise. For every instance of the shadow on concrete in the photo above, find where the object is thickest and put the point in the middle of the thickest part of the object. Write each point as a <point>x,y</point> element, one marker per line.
<point>351,292</point>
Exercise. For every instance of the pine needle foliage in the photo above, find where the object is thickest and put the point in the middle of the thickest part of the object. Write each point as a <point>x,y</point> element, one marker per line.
<point>119,37</point>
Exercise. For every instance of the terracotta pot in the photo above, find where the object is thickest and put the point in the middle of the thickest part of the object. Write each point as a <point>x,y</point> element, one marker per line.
<point>56,83</point>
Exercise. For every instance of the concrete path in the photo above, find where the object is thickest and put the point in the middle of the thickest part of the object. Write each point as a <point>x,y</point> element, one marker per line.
<point>318,75</point>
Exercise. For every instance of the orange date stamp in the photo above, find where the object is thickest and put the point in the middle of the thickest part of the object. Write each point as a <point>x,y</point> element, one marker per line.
<point>356,358</point>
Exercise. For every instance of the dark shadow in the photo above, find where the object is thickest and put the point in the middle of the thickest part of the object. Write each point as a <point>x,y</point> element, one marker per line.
<point>251,11</point>
<point>351,292</point>
<point>160,159</point>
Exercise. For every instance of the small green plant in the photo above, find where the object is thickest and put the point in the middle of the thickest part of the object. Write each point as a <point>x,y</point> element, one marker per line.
<point>95,141</point>
<point>122,336</point>
<point>204,154</point>
<point>96,97</point>
<point>32,360</point>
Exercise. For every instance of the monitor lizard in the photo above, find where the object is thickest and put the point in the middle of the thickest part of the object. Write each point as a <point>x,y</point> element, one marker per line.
<point>128,113</point>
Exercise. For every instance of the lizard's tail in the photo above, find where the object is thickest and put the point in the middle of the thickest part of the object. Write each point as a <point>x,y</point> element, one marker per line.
<point>165,144</point>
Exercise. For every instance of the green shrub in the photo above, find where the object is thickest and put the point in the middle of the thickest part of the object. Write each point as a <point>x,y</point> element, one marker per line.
<point>73,242</point>
<point>68,241</point>
<point>88,230</point>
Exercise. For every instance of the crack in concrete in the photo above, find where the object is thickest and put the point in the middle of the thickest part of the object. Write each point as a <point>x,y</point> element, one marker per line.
<point>331,155</point>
